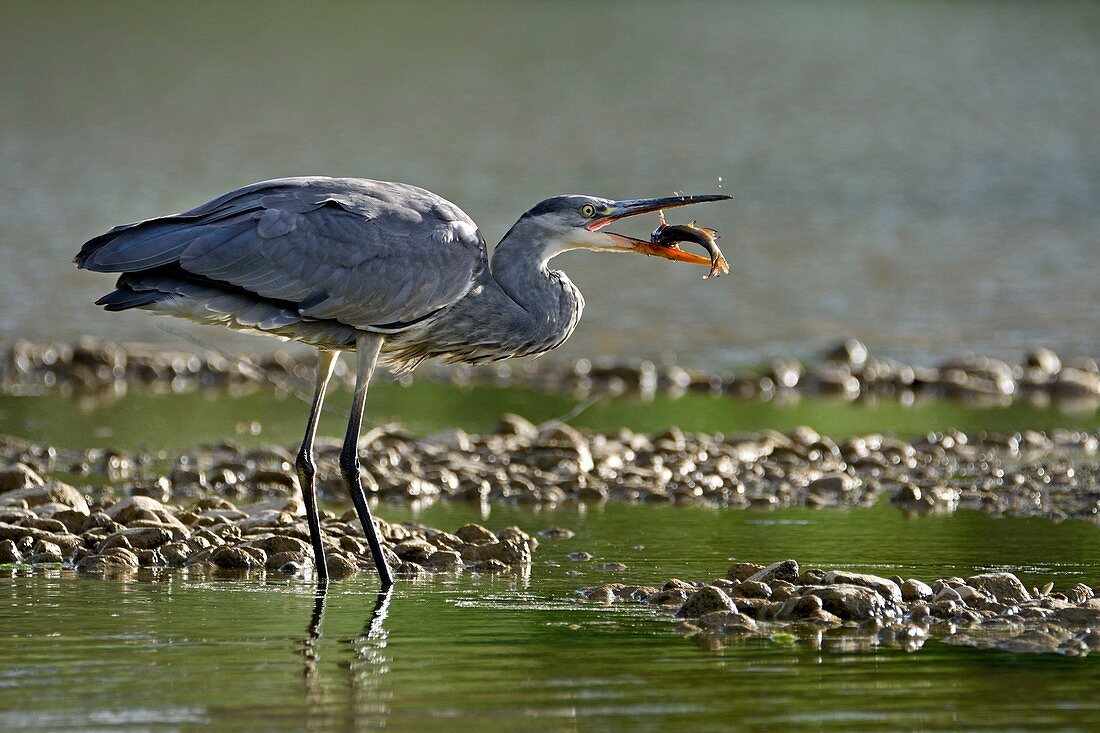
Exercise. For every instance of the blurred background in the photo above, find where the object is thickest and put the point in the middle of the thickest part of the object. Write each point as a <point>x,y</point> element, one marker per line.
<point>923,176</point>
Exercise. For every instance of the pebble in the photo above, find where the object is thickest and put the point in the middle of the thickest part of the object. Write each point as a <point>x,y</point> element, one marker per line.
<point>848,370</point>
<point>704,601</point>
<point>139,532</point>
<point>1053,475</point>
<point>846,611</point>
<point>557,533</point>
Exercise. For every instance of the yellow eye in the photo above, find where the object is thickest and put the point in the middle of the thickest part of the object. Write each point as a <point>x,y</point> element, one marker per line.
<point>588,211</point>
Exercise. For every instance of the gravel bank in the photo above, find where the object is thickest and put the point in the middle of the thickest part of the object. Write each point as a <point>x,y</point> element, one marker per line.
<point>847,371</point>
<point>1054,475</point>
<point>843,611</point>
<point>53,523</point>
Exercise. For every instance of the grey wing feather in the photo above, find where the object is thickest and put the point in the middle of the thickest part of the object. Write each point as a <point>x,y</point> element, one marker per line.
<point>364,253</point>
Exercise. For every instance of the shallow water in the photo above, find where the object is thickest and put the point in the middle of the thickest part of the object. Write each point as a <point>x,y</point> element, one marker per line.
<point>173,651</point>
<point>920,175</point>
<point>162,420</point>
<point>511,653</point>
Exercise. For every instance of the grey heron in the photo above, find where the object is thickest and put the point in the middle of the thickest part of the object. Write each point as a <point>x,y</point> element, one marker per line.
<point>388,270</point>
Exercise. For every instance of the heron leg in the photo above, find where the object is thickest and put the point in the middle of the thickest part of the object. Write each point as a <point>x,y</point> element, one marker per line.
<point>367,348</point>
<point>326,362</point>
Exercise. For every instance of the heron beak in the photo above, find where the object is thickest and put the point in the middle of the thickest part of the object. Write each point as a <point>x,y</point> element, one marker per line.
<point>633,207</point>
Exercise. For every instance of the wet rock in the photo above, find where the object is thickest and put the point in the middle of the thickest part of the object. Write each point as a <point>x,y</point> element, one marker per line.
<point>914,590</point>
<point>415,550</point>
<point>579,556</point>
<point>1005,587</point>
<point>290,562</point>
<point>727,622</point>
<point>235,558</point>
<point>175,554</point>
<point>705,600</point>
<point>340,566</point>
<point>18,477</point>
<point>515,533</point>
<point>832,487</point>
<point>72,520</point>
<point>850,601</point>
<point>592,495</point>
<point>783,570</point>
<point>639,593</point>
<point>1080,593</point>
<point>140,538</point>
<point>9,553</point>
<point>1045,360</point>
<point>490,566</point>
<point>799,607</point>
<point>508,551</point>
<point>16,515</point>
<point>410,570</point>
<point>743,570</point>
<point>45,552</point>
<point>49,525</point>
<point>821,617</point>
<point>1075,384</point>
<point>105,564</point>
<point>1086,614</point>
<point>888,589</point>
<point>47,493</point>
<point>121,556</point>
<point>669,597</point>
<point>133,508</point>
<point>851,352</point>
<point>274,544</point>
<point>150,558</point>
<point>19,534</point>
<point>1032,642</point>
<point>557,533</point>
<point>948,594</point>
<point>604,593</point>
<point>444,561</point>
<point>472,533</point>
<point>752,589</point>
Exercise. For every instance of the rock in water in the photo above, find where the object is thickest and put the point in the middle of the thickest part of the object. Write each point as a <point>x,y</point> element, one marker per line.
<point>705,600</point>
<point>1005,587</point>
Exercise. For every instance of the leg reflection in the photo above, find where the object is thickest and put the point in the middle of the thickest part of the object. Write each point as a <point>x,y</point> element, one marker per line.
<point>366,670</point>
<point>373,629</point>
<point>369,665</point>
<point>310,653</point>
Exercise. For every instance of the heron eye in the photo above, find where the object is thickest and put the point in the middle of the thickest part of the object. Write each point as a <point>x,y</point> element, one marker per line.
<point>588,211</point>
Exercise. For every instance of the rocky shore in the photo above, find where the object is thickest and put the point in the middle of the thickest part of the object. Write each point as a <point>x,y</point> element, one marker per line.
<point>52,523</point>
<point>1055,475</point>
<point>847,371</point>
<point>843,611</point>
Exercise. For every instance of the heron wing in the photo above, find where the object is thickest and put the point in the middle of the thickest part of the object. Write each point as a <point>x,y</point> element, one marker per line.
<point>370,254</point>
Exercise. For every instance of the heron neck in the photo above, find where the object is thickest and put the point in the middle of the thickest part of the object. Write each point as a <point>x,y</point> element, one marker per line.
<point>548,298</point>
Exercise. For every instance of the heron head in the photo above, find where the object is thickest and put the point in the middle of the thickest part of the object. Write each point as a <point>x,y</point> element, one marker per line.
<point>565,223</point>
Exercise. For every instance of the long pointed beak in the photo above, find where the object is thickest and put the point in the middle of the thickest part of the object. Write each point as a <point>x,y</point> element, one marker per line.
<point>633,207</point>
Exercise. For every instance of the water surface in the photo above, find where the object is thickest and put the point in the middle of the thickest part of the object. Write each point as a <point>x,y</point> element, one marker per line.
<point>921,175</point>
<point>511,653</point>
<point>142,418</point>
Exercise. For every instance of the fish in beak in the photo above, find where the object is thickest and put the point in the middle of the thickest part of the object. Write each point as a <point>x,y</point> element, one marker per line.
<point>634,207</point>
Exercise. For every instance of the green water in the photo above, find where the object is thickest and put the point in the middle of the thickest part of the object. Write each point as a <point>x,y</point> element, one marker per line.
<point>175,652</point>
<point>511,653</point>
<point>166,420</point>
